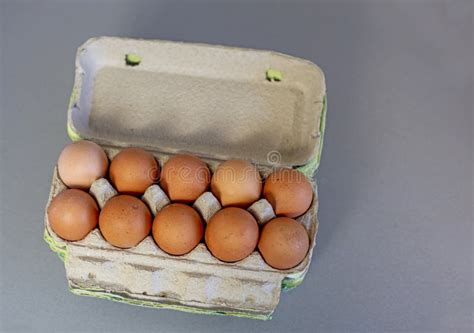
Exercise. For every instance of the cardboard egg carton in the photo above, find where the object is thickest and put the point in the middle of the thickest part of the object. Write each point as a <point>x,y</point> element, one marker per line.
<point>215,102</point>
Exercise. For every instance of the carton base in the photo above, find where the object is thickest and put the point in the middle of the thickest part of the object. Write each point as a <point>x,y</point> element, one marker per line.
<point>123,298</point>
<point>63,253</point>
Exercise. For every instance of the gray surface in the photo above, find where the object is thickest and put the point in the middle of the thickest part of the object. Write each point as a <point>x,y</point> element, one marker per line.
<point>395,244</point>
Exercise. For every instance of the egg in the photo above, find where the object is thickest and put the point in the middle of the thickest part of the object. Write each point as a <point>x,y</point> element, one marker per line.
<point>81,163</point>
<point>232,234</point>
<point>289,192</point>
<point>184,178</point>
<point>133,170</point>
<point>236,183</point>
<point>177,229</point>
<point>125,221</point>
<point>283,243</point>
<point>73,214</point>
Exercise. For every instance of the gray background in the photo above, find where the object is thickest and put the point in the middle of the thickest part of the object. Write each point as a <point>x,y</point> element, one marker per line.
<point>395,244</point>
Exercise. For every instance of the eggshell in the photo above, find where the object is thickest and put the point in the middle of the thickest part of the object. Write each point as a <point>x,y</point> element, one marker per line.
<point>81,163</point>
<point>184,178</point>
<point>289,192</point>
<point>283,243</point>
<point>125,221</point>
<point>232,234</point>
<point>73,214</point>
<point>236,183</point>
<point>177,229</point>
<point>133,170</point>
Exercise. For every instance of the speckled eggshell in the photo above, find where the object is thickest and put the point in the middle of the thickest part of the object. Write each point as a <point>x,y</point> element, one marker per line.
<point>184,178</point>
<point>133,170</point>
<point>283,243</point>
<point>72,214</point>
<point>232,234</point>
<point>289,192</point>
<point>236,183</point>
<point>125,221</point>
<point>177,229</point>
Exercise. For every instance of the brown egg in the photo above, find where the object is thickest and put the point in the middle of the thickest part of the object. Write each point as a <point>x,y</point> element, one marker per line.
<point>177,229</point>
<point>237,183</point>
<point>133,170</point>
<point>81,163</point>
<point>125,221</point>
<point>289,192</point>
<point>184,178</point>
<point>72,214</point>
<point>283,243</point>
<point>232,234</point>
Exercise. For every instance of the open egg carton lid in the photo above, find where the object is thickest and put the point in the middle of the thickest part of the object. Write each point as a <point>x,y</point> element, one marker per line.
<point>218,103</point>
<point>212,101</point>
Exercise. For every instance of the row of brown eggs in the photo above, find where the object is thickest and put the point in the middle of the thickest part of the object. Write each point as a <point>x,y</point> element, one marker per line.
<point>231,234</point>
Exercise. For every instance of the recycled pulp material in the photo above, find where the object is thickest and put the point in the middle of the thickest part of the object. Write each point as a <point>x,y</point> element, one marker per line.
<point>212,101</point>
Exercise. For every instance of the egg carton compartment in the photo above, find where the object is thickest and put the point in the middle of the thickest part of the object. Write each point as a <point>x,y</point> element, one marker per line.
<point>207,205</point>
<point>148,276</point>
<point>263,211</point>
<point>102,191</point>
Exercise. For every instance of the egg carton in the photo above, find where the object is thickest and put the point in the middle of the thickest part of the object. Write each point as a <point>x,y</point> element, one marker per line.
<point>218,103</point>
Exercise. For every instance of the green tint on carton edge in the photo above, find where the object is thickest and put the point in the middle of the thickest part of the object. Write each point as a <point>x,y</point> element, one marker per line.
<point>288,283</point>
